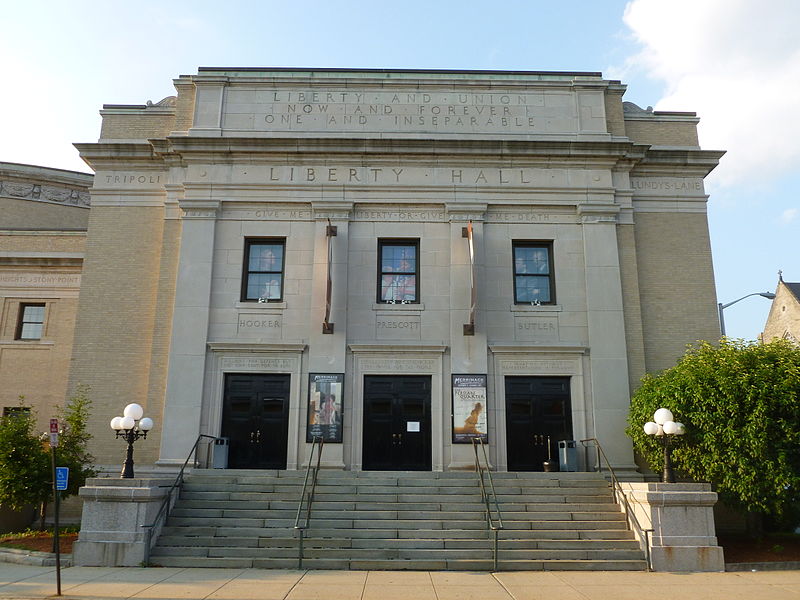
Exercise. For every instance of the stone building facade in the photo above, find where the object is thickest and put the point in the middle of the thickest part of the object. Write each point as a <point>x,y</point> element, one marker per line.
<point>43,220</point>
<point>397,260</point>
<point>783,320</point>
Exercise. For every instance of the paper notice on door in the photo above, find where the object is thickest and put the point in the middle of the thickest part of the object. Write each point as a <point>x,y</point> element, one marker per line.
<point>412,425</point>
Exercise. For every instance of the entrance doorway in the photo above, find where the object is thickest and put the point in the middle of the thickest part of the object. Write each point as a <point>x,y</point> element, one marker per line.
<point>397,423</point>
<point>536,407</point>
<point>255,418</point>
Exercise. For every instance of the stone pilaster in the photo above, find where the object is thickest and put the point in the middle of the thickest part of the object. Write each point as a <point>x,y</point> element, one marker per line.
<point>327,351</point>
<point>468,353</point>
<point>608,357</point>
<point>187,354</point>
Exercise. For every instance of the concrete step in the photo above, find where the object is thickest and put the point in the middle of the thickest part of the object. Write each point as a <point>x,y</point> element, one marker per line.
<point>421,487</point>
<point>399,565</point>
<point>399,553</point>
<point>292,498</point>
<point>232,475</point>
<point>349,517</point>
<point>384,543</point>
<point>268,507</point>
<point>263,534</point>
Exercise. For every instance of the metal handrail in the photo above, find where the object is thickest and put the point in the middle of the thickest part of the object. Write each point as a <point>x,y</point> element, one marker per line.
<point>163,510</point>
<point>495,525</point>
<point>633,522</point>
<point>317,443</point>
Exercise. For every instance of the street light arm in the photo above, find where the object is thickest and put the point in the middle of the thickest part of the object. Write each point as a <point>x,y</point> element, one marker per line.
<point>767,295</point>
<point>721,306</point>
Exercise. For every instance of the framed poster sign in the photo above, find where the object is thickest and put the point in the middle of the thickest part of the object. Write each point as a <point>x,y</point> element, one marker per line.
<point>325,407</point>
<point>469,409</point>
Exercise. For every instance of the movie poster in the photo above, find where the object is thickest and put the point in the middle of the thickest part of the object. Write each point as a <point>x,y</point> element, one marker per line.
<point>469,409</point>
<point>325,407</point>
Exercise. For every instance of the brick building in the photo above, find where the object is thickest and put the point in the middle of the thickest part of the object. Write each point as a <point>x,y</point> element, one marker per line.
<point>43,219</point>
<point>397,260</point>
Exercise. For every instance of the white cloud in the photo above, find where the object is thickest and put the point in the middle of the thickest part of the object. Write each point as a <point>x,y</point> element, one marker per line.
<point>789,215</point>
<point>737,64</point>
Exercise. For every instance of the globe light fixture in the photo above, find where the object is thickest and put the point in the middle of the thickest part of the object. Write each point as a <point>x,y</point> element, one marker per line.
<point>130,427</point>
<point>665,428</point>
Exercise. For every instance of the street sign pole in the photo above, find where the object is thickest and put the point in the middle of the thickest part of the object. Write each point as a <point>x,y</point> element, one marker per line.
<point>56,545</point>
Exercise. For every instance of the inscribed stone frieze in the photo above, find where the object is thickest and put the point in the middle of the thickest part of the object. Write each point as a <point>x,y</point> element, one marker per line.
<point>256,363</point>
<point>398,365</point>
<point>538,366</point>
<point>536,329</point>
<point>667,186</point>
<point>398,327</point>
<point>315,175</point>
<point>521,112</point>
<point>33,279</point>
<point>260,325</point>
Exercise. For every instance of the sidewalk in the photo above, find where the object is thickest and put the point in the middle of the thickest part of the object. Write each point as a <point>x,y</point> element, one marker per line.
<point>18,581</point>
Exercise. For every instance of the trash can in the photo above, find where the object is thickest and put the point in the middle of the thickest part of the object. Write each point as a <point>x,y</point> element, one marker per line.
<point>220,459</point>
<point>568,455</point>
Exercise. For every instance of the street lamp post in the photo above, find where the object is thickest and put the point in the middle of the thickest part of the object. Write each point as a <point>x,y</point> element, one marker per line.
<point>130,427</point>
<point>721,306</point>
<point>665,429</point>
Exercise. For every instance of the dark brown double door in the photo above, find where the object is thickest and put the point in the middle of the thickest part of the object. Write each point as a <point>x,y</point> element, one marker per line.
<point>536,407</point>
<point>397,423</point>
<point>255,418</point>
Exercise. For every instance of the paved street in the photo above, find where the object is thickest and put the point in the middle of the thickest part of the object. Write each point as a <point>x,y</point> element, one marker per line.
<point>17,581</point>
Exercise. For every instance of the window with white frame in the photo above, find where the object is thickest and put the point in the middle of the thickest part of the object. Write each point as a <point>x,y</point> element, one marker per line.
<point>31,321</point>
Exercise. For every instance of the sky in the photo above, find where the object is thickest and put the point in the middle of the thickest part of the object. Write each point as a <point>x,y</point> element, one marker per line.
<point>734,62</point>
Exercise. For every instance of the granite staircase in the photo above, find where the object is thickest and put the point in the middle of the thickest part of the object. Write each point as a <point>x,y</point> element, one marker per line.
<point>397,520</point>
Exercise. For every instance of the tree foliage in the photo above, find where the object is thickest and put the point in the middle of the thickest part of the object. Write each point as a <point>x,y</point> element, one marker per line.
<point>26,475</point>
<point>740,402</point>
<point>74,438</point>
<point>24,463</point>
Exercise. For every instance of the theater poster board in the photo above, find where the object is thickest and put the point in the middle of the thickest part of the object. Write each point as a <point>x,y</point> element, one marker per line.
<point>325,407</point>
<point>469,409</point>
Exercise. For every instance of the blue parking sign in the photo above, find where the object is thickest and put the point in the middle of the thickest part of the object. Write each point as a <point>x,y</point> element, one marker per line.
<point>62,478</point>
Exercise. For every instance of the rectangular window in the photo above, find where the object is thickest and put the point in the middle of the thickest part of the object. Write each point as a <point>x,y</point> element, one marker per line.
<point>31,322</point>
<point>398,271</point>
<point>11,411</point>
<point>533,273</point>
<point>262,280</point>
